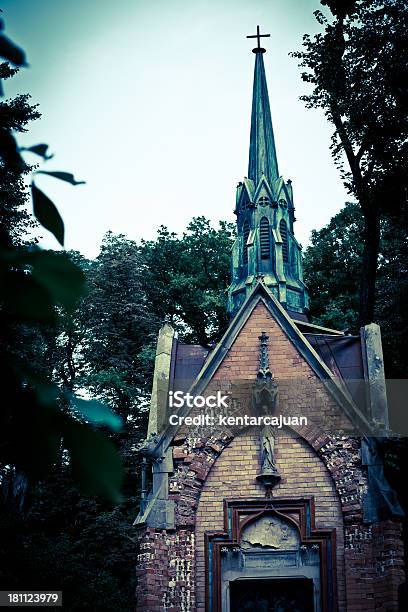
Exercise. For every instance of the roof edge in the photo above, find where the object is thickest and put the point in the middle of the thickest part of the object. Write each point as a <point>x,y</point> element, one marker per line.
<point>261,293</point>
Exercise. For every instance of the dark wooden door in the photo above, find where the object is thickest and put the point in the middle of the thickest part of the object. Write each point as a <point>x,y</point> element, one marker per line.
<point>288,595</point>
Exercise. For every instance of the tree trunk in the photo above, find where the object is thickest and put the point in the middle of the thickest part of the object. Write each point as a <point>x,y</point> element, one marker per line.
<point>371,240</point>
<point>13,491</point>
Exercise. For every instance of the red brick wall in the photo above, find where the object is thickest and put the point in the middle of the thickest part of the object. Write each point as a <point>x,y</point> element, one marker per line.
<point>369,559</point>
<point>301,393</point>
<point>233,476</point>
<point>375,567</point>
<point>165,571</point>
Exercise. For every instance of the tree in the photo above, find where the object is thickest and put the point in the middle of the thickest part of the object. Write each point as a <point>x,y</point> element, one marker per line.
<point>15,221</point>
<point>358,68</point>
<point>120,324</point>
<point>333,264</point>
<point>104,347</point>
<point>332,267</point>
<point>186,278</point>
<point>80,545</point>
<point>99,349</point>
<point>36,414</point>
<point>392,293</point>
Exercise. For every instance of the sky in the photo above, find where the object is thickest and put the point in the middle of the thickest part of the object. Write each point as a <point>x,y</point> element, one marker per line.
<point>149,102</point>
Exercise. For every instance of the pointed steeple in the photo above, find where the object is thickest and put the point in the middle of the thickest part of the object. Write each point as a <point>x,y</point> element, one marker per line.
<point>266,246</point>
<point>262,152</point>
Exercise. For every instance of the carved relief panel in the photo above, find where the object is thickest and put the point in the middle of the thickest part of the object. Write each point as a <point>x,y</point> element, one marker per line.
<point>273,545</point>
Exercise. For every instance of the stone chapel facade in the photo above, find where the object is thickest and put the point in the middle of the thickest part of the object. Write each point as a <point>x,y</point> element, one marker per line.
<point>298,517</point>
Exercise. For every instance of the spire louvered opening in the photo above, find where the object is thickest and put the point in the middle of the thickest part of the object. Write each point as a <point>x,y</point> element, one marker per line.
<point>283,228</point>
<point>245,236</point>
<point>265,238</point>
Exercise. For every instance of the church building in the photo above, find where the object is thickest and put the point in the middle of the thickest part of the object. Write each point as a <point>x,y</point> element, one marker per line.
<point>263,485</point>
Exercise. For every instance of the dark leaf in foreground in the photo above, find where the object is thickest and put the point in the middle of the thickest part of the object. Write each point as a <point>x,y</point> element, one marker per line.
<point>11,52</point>
<point>31,435</point>
<point>40,149</point>
<point>95,462</point>
<point>60,276</point>
<point>47,214</point>
<point>25,298</point>
<point>54,271</point>
<point>62,176</point>
<point>96,413</point>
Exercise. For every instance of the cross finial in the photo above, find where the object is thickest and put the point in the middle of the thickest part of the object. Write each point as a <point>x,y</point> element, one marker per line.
<point>258,35</point>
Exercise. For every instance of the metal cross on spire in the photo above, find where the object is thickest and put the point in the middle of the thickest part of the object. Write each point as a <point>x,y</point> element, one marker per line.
<point>258,35</point>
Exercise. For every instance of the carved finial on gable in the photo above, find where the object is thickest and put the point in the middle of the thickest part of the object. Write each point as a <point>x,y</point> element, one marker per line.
<point>264,371</point>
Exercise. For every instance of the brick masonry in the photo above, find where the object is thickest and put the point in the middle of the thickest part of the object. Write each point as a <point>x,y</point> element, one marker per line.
<point>369,559</point>
<point>303,474</point>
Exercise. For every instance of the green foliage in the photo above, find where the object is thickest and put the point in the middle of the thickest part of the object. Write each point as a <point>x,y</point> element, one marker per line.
<point>79,545</point>
<point>15,221</point>
<point>332,266</point>
<point>103,346</point>
<point>74,334</point>
<point>358,67</point>
<point>37,419</point>
<point>186,278</point>
<point>117,322</point>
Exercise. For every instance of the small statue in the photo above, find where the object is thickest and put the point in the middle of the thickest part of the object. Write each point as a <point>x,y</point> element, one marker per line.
<point>268,449</point>
<point>269,475</point>
<point>265,401</point>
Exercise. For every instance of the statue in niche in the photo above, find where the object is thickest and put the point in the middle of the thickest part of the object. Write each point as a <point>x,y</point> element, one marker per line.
<point>268,450</point>
<point>269,475</point>
<point>265,400</point>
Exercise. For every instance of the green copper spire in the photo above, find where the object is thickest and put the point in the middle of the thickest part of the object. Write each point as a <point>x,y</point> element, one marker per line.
<point>266,247</point>
<point>262,152</point>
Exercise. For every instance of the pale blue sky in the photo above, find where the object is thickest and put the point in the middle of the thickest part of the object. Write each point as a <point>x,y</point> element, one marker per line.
<point>149,102</point>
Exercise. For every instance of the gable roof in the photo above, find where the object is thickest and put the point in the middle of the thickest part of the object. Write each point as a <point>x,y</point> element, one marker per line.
<point>246,187</point>
<point>263,184</point>
<point>261,293</point>
<point>281,187</point>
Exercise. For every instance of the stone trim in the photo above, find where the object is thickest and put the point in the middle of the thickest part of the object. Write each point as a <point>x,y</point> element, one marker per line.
<point>194,459</point>
<point>298,512</point>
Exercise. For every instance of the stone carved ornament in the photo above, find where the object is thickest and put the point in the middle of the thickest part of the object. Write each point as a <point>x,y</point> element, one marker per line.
<point>265,400</point>
<point>272,532</point>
